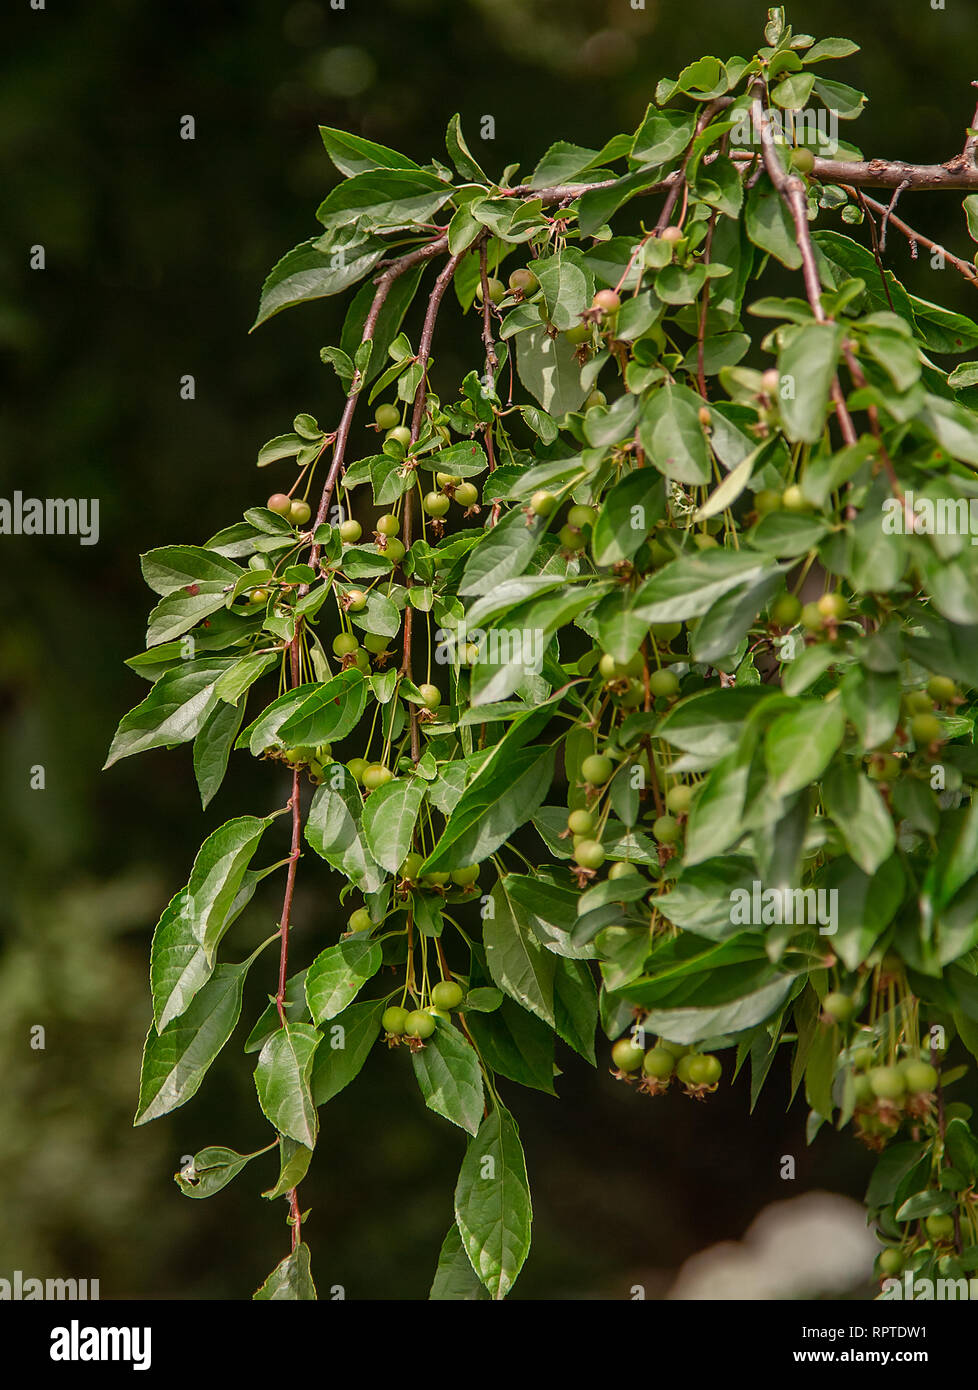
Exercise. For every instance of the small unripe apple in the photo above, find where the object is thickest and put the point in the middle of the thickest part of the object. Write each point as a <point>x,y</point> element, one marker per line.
<point>607,301</point>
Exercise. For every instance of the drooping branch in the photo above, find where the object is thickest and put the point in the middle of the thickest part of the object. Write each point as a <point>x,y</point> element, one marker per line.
<point>424,352</point>
<point>793,192</point>
<point>383,282</point>
<point>427,336</point>
<point>492,361</point>
<point>917,238</point>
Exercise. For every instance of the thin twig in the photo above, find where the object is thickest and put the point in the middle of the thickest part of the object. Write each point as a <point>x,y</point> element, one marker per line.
<point>877,247</point>
<point>383,283</point>
<point>889,213</point>
<point>793,192</point>
<point>971,143</point>
<point>492,361</point>
<point>917,238</point>
<point>424,352</point>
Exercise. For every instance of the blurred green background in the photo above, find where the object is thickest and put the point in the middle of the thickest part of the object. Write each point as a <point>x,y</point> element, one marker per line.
<point>156,248</point>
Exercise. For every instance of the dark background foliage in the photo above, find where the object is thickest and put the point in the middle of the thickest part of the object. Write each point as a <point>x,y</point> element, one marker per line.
<point>156,248</point>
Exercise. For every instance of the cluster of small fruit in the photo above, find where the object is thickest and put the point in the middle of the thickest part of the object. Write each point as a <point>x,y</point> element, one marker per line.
<point>460,882</point>
<point>414,1026</point>
<point>450,487</point>
<point>578,524</point>
<point>313,759</point>
<point>887,1095</point>
<point>655,1067</point>
<point>818,618</point>
<point>940,1229</point>
<point>584,823</point>
<point>886,1088</point>
<point>292,509</point>
<point>918,708</point>
<point>599,319</point>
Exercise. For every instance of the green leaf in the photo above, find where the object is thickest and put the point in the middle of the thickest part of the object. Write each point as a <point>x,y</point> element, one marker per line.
<point>629,511</point>
<point>550,371</point>
<point>331,712</point>
<point>492,1203</point>
<point>294,1161</point>
<point>856,261</point>
<point>312,271</point>
<point>173,567</point>
<point>962,1148</point>
<point>182,610</point>
<point>567,288</point>
<point>941,330</point>
<point>448,1073</point>
<point>793,92</point>
<point>689,586</point>
<point>455,1279</point>
<point>333,829</point>
<point>389,817</point>
<point>845,101</point>
<point>489,811</point>
<point>212,747</point>
<point>727,492</point>
<point>725,625</point>
<point>517,961</point>
<point>858,809</point>
<point>769,224</point>
<point>217,875</point>
<point>700,900</point>
<point>672,436</point>
<point>461,155</point>
<point>384,199</point>
<point>562,163</point>
<point>345,1047</point>
<point>576,1006</point>
<point>210,1170</point>
<point>501,554</point>
<point>515,1044</point>
<point>866,905</point>
<point>923,1204</point>
<point>352,154</point>
<point>262,734</point>
<point>240,677</point>
<point>178,964</point>
<point>599,205</point>
<point>707,725</point>
<point>801,743</point>
<point>663,135</point>
<point>282,1079</point>
<point>693,1025</point>
<point>462,460</point>
<point>715,818</point>
<point>174,711</point>
<point>290,1279</point>
<point>830,48</point>
<point>176,1060</point>
<point>809,360</point>
<point>337,975</point>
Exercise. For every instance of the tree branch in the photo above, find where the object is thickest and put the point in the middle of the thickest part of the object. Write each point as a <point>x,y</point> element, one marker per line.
<point>793,192</point>
<point>383,282</point>
<point>957,173</point>
<point>421,395</point>
<point>917,238</point>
